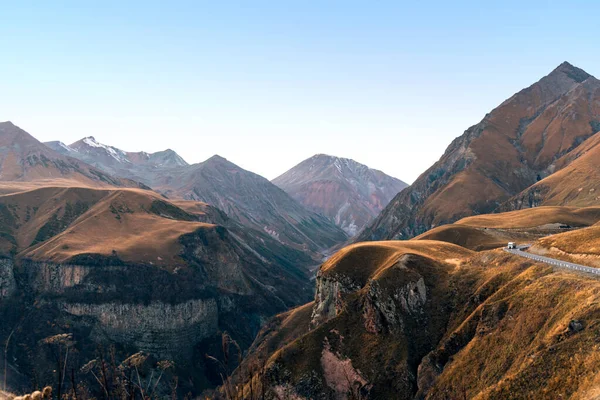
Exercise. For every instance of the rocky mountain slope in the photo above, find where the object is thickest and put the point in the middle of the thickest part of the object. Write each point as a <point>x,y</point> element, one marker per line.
<point>516,145</point>
<point>421,318</point>
<point>246,197</point>
<point>349,193</point>
<point>127,268</point>
<point>24,159</point>
<point>575,183</point>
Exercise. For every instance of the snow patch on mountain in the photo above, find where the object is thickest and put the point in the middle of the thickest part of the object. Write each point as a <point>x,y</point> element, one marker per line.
<point>117,154</point>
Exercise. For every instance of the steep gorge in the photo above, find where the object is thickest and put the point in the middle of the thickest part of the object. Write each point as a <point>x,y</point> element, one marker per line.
<point>168,286</point>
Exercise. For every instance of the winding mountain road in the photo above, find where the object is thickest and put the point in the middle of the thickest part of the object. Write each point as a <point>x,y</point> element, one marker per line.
<point>552,261</point>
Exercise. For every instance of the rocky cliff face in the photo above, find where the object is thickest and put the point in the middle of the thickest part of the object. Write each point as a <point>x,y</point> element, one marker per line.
<point>349,193</point>
<point>167,330</point>
<point>512,148</point>
<point>7,278</point>
<point>162,329</point>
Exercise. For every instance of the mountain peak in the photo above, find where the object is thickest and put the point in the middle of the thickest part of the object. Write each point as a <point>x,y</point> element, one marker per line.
<point>216,159</point>
<point>346,191</point>
<point>323,155</point>
<point>574,73</point>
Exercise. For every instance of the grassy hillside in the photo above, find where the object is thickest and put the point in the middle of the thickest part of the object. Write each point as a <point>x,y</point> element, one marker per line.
<point>479,326</point>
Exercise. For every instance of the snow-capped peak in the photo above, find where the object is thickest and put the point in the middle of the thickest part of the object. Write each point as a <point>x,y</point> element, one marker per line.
<point>91,141</point>
<point>115,153</point>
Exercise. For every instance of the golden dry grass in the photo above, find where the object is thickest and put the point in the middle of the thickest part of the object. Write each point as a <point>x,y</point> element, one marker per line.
<point>472,238</point>
<point>582,241</point>
<point>119,222</point>
<point>535,217</point>
<point>507,336</point>
<point>193,207</point>
<point>368,259</point>
<point>8,187</point>
<point>489,231</point>
<point>6,396</point>
<point>577,183</point>
<point>108,220</point>
<point>521,346</point>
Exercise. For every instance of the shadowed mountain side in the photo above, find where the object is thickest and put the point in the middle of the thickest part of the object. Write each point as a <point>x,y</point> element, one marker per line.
<point>253,201</point>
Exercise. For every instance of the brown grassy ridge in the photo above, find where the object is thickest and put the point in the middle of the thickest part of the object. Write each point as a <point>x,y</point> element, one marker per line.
<point>122,223</point>
<point>368,260</point>
<point>576,181</point>
<point>57,223</point>
<point>535,217</point>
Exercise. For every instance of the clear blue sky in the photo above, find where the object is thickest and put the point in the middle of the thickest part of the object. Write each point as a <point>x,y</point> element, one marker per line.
<point>269,83</point>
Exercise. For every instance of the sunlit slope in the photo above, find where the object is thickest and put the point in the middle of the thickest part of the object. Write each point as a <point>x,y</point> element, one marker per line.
<point>574,184</point>
<point>512,148</point>
<point>488,231</point>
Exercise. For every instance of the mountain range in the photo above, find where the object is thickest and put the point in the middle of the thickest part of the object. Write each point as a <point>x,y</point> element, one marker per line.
<point>24,159</point>
<point>246,197</point>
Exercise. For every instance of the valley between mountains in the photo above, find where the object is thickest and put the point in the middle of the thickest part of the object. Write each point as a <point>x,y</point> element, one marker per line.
<point>116,264</point>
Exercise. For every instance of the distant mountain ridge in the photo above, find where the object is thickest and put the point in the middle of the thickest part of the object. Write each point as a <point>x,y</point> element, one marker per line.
<point>349,193</point>
<point>25,159</point>
<point>134,165</point>
<point>524,140</point>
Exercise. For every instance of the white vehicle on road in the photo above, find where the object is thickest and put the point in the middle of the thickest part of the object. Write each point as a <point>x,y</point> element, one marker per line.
<point>512,245</point>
